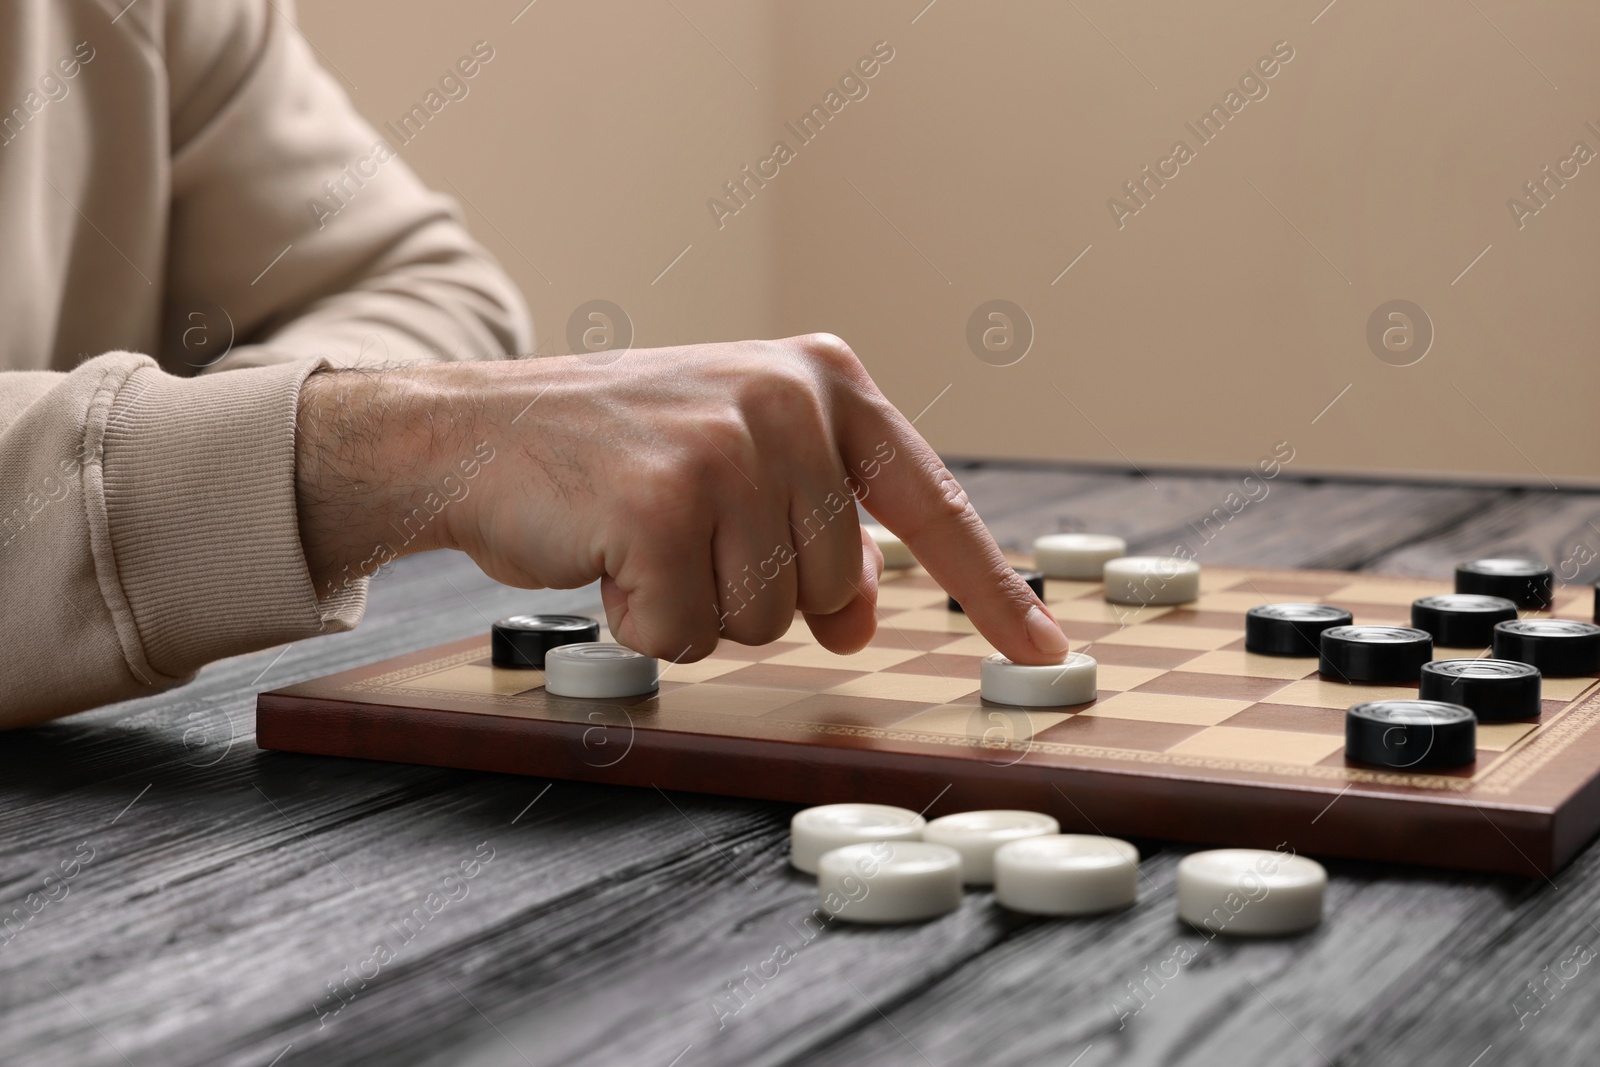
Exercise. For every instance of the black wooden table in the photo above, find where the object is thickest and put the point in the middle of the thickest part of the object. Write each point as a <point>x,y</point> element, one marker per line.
<point>171,895</point>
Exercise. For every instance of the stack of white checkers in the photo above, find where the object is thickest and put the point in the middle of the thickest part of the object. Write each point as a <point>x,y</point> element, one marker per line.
<point>881,864</point>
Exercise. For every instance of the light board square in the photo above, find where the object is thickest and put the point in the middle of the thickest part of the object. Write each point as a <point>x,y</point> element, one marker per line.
<point>899,598</point>
<point>1266,746</point>
<point>936,620</point>
<point>1499,736</point>
<point>700,671</point>
<point>916,687</point>
<point>1564,688</point>
<point>1317,693</point>
<point>1250,665</point>
<point>727,699</point>
<point>1097,610</point>
<point>1062,590</point>
<point>868,659</point>
<point>975,645</point>
<point>1120,679</point>
<point>1158,636</point>
<point>483,681</point>
<point>1396,592</point>
<point>1161,707</point>
<point>1235,601</point>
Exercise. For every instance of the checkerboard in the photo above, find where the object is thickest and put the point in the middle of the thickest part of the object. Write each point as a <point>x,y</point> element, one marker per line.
<point>1190,738</point>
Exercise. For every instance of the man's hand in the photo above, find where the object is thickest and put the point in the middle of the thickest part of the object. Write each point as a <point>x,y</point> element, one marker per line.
<point>710,488</point>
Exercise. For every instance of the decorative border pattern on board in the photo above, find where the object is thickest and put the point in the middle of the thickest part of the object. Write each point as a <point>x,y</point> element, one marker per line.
<point>1577,720</point>
<point>1501,777</point>
<point>1524,755</point>
<point>1124,755</point>
<point>393,683</point>
<point>398,678</point>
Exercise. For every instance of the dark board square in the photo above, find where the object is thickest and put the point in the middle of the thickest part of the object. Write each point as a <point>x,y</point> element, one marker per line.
<point>1086,631</point>
<point>1290,717</point>
<point>1225,686</point>
<point>848,711</point>
<point>1211,620</point>
<point>1141,656</point>
<point>754,653</point>
<point>939,665</point>
<point>914,640</point>
<point>1103,732</point>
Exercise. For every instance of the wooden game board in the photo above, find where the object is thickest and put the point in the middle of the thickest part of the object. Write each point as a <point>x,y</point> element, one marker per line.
<point>1191,738</point>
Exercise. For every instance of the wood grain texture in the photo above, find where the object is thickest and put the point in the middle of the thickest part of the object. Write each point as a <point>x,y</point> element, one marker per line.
<point>609,923</point>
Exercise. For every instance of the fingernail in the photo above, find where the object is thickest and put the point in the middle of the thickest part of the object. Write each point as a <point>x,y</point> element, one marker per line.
<point>1045,633</point>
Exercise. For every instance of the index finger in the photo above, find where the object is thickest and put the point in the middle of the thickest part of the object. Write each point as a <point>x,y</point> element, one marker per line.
<point>908,489</point>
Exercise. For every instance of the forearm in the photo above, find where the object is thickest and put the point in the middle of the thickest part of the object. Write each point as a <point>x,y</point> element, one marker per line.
<point>379,456</point>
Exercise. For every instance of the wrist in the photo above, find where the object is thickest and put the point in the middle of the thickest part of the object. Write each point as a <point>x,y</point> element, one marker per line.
<point>368,488</point>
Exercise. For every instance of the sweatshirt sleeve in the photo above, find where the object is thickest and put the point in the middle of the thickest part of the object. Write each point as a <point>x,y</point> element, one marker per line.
<point>153,530</point>
<point>148,524</point>
<point>294,217</point>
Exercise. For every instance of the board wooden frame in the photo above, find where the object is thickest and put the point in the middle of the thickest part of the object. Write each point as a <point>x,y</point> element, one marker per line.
<point>1526,808</point>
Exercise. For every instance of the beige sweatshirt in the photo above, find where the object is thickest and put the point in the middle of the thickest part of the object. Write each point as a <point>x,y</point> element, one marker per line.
<point>163,170</point>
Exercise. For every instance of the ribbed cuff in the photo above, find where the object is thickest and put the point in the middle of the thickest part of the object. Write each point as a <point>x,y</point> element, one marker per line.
<point>195,534</point>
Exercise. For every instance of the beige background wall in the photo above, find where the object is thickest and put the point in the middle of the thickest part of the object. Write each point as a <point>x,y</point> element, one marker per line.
<point>1222,318</point>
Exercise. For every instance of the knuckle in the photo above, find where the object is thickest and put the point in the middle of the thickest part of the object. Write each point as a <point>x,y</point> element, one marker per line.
<point>755,616</point>
<point>784,392</point>
<point>830,352</point>
<point>714,442</point>
<point>658,496</point>
<point>679,647</point>
<point>950,500</point>
<point>832,598</point>
<point>760,628</point>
